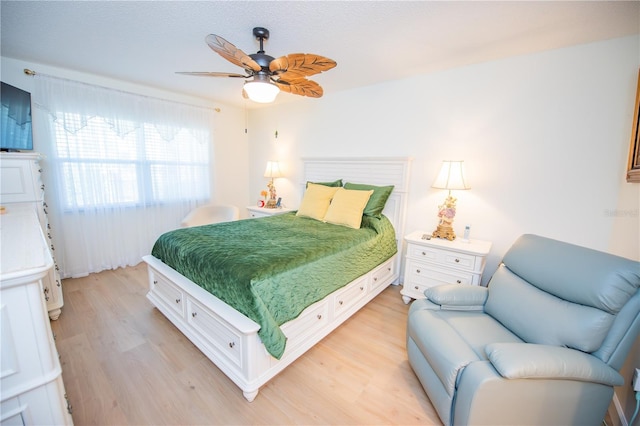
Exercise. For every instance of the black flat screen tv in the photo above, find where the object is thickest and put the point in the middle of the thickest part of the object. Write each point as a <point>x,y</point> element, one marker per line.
<point>15,119</point>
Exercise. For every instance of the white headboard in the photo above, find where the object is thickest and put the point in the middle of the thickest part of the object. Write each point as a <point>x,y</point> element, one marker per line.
<point>380,171</point>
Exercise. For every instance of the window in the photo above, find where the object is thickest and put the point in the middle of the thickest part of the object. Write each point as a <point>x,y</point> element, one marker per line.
<point>99,168</point>
<point>120,169</point>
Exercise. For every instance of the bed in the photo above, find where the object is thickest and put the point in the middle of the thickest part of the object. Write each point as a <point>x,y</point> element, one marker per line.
<point>244,345</point>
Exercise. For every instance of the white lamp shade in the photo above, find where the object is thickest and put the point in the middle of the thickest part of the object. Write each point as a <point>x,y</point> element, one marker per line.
<point>451,176</point>
<point>272,170</point>
<point>261,91</point>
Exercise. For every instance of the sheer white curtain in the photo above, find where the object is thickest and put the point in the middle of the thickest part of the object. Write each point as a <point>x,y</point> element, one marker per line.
<point>119,169</point>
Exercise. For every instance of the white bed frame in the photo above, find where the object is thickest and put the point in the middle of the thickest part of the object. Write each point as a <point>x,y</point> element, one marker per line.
<point>230,340</point>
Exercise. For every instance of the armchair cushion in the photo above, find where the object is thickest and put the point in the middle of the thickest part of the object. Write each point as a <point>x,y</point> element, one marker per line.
<point>453,339</point>
<point>534,315</point>
<point>578,274</point>
<point>457,297</point>
<point>530,361</point>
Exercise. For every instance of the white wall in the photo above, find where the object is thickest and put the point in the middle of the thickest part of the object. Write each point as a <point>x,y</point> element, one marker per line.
<point>545,139</point>
<point>229,180</point>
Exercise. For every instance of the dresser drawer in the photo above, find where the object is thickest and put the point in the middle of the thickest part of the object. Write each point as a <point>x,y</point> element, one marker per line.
<point>19,180</point>
<point>427,275</point>
<point>443,257</point>
<point>382,273</point>
<point>45,404</point>
<point>311,320</point>
<point>220,335</point>
<point>348,296</point>
<point>414,290</point>
<point>168,294</point>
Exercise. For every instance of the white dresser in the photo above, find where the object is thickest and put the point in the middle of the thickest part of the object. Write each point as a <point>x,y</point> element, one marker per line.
<point>435,261</point>
<point>31,387</point>
<point>21,189</point>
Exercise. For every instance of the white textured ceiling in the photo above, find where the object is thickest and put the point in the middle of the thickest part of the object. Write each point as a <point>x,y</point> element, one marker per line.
<point>145,42</point>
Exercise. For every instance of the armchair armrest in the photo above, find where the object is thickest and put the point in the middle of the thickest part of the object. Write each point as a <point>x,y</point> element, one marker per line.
<point>458,297</point>
<point>531,361</point>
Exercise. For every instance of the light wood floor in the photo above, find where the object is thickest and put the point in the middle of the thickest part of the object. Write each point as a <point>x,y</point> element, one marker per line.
<point>124,363</point>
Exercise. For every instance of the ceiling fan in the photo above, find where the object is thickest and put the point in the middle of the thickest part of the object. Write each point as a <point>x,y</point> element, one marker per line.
<point>269,75</point>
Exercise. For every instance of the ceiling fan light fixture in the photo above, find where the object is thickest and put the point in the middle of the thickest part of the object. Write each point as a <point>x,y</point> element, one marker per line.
<point>261,90</point>
<point>269,75</point>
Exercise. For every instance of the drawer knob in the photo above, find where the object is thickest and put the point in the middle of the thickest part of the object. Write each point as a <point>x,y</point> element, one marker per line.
<point>457,260</point>
<point>232,344</point>
<point>389,269</point>
<point>459,282</point>
<point>424,253</point>
<point>416,287</point>
<point>417,271</point>
<point>375,278</point>
<point>193,314</point>
<point>361,288</point>
<point>155,281</point>
<point>177,300</point>
<point>340,303</point>
<point>69,407</point>
<point>319,316</point>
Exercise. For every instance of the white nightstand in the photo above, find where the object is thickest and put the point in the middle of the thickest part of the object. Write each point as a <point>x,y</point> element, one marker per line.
<point>255,211</point>
<point>437,261</point>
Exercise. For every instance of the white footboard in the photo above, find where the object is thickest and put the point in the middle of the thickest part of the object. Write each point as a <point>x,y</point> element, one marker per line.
<point>230,340</point>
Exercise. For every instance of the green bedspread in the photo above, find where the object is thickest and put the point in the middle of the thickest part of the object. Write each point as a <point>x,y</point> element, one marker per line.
<point>270,269</point>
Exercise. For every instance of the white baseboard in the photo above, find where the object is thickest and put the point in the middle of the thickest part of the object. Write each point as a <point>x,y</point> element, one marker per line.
<point>619,411</point>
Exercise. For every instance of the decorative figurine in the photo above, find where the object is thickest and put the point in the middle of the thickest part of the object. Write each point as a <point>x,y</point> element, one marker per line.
<point>446,213</point>
<point>272,201</point>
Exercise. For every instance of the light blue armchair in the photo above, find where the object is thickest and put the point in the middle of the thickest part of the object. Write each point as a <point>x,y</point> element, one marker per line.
<point>541,345</point>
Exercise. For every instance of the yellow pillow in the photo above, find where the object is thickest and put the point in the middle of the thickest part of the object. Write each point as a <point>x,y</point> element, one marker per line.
<point>347,206</point>
<point>316,201</point>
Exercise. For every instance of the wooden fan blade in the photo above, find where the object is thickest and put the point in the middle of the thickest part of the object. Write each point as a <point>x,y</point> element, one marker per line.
<point>213,74</point>
<point>296,65</point>
<point>231,53</point>
<point>301,86</point>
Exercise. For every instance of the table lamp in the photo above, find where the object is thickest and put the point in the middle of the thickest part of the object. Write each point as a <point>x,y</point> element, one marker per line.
<point>272,171</point>
<point>451,176</point>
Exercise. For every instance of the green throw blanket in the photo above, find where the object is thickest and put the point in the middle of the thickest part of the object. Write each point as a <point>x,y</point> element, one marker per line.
<point>270,269</point>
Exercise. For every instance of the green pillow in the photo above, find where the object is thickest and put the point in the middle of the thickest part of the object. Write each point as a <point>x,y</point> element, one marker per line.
<point>335,183</point>
<point>378,199</point>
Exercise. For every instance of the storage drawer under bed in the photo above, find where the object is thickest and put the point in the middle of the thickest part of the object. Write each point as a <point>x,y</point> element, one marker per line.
<point>220,335</point>
<point>167,293</point>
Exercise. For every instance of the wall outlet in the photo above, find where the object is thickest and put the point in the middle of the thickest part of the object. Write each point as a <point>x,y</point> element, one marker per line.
<point>636,380</point>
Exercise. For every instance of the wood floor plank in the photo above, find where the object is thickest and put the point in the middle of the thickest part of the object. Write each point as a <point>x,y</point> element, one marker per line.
<point>124,363</point>
<point>89,388</point>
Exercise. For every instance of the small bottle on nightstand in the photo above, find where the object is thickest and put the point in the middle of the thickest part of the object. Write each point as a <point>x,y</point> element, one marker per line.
<point>467,231</point>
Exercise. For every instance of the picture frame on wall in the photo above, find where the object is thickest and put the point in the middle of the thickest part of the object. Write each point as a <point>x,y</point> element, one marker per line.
<point>633,169</point>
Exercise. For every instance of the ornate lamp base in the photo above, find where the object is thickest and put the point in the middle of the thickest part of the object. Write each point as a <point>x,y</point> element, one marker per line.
<point>445,232</point>
<point>271,204</point>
